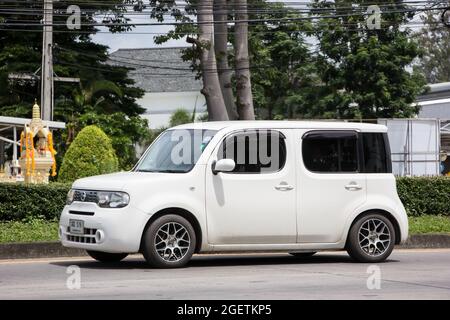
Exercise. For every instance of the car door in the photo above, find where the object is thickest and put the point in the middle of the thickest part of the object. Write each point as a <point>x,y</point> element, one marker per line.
<point>256,202</point>
<point>330,185</point>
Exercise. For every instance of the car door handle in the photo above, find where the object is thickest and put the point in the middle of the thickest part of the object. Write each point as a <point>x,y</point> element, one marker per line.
<point>353,186</point>
<point>283,187</point>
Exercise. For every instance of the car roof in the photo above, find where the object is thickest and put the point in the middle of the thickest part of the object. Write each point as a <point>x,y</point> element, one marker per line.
<point>284,124</point>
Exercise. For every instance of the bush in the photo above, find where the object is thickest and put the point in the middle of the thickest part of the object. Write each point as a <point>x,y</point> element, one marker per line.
<point>27,201</point>
<point>425,195</point>
<point>90,154</point>
<point>180,116</point>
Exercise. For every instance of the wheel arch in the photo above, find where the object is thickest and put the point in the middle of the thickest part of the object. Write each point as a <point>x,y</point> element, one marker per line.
<point>189,216</point>
<point>384,213</point>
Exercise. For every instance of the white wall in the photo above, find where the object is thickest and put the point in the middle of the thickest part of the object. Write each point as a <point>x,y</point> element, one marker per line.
<point>161,105</point>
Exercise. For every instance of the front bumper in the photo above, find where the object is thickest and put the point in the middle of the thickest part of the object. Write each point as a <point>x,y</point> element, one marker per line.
<point>107,230</point>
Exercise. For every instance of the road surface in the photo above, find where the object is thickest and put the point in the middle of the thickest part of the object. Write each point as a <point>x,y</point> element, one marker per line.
<point>408,274</point>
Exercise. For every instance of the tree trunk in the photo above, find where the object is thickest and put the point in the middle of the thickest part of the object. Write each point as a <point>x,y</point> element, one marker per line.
<point>221,50</point>
<point>211,85</point>
<point>243,83</point>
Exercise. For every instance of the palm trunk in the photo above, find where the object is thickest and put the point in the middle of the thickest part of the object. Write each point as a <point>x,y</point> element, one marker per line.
<point>243,83</point>
<point>211,85</point>
<point>221,50</point>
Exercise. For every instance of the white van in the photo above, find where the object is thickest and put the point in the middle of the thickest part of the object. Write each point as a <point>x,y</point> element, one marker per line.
<point>293,186</point>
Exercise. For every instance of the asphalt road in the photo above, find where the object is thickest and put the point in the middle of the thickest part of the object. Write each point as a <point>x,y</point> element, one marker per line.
<point>408,274</point>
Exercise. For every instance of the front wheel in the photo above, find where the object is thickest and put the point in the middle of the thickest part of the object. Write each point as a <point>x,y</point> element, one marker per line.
<point>106,256</point>
<point>371,238</point>
<point>169,242</point>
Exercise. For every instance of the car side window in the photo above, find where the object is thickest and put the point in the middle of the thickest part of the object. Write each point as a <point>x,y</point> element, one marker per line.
<point>330,151</point>
<point>375,153</point>
<point>255,151</point>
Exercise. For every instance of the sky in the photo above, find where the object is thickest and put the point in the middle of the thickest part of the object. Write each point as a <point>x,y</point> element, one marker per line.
<point>140,37</point>
<point>136,40</point>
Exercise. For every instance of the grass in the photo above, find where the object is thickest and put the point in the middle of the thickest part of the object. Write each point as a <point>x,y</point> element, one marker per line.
<point>31,231</point>
<point>41,230</point>
<point>429,224</point>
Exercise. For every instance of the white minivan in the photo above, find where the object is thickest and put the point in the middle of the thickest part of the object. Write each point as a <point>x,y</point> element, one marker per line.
<point>293,186</point>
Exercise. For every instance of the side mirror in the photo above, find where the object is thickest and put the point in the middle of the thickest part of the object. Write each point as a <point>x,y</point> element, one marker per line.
<point>223,165</point>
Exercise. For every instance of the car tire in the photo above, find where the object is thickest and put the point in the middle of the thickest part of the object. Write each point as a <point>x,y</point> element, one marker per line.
<point>303,254</point>
<point>169,242</point>
<point>371,238</point>
<point>106,256</point>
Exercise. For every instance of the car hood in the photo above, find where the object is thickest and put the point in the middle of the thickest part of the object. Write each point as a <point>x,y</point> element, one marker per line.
<point>119,181</point>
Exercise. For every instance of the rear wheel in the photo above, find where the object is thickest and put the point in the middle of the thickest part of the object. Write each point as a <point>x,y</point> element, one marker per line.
<point>169,242</point>
<point>371,238</point>
<point>106,256</point>
<point>303,254</point>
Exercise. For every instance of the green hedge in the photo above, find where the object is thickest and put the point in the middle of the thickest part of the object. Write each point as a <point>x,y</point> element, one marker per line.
<point>25,202</point>
<point>420,196</point>
<point>425,195</point>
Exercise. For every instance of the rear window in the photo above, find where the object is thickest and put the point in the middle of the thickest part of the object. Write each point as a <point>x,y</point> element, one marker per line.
<point>331,151</point>
<point>376,153</point>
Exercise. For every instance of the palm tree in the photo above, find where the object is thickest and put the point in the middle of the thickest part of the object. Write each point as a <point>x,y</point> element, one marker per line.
<point>85,99</point>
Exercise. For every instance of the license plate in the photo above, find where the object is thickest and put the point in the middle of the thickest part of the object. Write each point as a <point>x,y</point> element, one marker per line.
<point>76,226</point>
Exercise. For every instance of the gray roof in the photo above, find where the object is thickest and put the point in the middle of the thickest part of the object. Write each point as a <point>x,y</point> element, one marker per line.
<point>436,91</point>
<point>157,69</point>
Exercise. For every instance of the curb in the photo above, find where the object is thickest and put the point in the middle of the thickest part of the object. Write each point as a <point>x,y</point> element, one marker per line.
<point>424,241</point>
<point>33,250</point>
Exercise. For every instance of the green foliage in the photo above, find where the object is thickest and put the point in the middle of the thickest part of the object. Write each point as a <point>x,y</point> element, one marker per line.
<point>180,116</point>
<point>23,202</point>
<point>284,80</point>
<point>364,72</point>
<point>124,131</point>
<point>434,40</point>
<point>424,195</point>
<point>91,153</point>
<point>30,231</point>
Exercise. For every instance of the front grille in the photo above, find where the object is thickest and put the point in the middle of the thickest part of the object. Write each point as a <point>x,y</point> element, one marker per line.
<point>88,236</point>
<point>85,196</point>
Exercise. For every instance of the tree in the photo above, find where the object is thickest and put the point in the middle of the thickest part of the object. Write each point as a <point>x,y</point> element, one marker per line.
<point>180,116</point>
<point>434,40</point>
<point>364,72</point>
<point>91,153</point>
<point>126,133</point>
<point>84,100</point>
<point>75,55</point>
<point>208,64</point>
<point>243,83</point>
<point>221,13</point>
<point>210,40</point>
<point>284,79</point>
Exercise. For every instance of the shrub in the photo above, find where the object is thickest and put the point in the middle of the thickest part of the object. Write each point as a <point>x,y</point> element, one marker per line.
<point>90,154</point>
<point>425,195</point>
<point>20,201</point>
<point>180,116</point>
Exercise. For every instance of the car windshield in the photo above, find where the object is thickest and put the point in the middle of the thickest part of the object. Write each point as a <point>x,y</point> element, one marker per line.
<point>175,151</point>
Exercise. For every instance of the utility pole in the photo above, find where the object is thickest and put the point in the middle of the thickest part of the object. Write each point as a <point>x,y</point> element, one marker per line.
<point>47,63</point>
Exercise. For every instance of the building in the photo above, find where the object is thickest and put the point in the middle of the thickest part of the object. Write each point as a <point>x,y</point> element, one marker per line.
<point>167,80</point>
<point>421,146</point>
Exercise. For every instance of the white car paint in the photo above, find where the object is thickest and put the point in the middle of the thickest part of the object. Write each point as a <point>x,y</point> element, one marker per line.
<point>242,212</point>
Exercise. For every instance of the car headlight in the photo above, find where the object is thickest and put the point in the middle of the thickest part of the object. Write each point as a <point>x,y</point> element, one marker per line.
<point>70,195</point>
<point>114,199</point>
